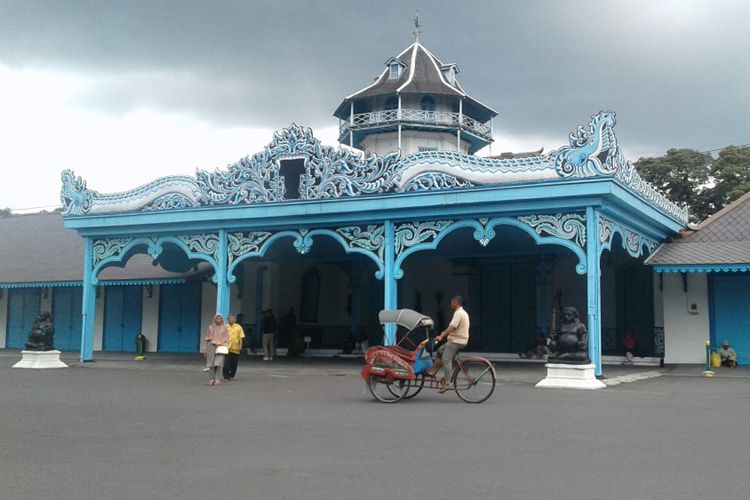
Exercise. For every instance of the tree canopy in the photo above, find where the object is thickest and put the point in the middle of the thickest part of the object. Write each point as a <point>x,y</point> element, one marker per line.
<point>704,183</point>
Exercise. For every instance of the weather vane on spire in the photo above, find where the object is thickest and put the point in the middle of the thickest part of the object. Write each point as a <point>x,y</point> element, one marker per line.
<point>416,31</point>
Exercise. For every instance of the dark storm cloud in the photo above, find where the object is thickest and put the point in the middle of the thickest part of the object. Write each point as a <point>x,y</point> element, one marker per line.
<point>675,71</point>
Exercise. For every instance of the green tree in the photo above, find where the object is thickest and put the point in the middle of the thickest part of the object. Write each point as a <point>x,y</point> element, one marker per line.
<point>4,212</point>
<point>731,176</point>
<point>682,175</point>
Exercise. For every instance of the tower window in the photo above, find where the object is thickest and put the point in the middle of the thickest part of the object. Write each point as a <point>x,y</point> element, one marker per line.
<point>428,103</point>
<point>394,70</point>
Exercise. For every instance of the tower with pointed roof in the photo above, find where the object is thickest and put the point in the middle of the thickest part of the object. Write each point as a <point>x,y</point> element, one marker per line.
<point>416,104</point>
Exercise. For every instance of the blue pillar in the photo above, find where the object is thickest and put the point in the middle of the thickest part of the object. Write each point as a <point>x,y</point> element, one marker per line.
<point>259,273</point>
<point>389,280</point>
<point>88,308</point>
<point>593,282</point>
<point>220,276</point>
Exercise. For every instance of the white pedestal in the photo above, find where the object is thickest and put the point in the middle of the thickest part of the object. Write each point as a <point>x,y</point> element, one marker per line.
<point>564,376</point>
<point>40,360</point>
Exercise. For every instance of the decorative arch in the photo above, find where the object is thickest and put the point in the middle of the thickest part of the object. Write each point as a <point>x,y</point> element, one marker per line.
<point>106,252</point>
<point>567,230</point>
<point>634,243</point>
<point>368,241</point>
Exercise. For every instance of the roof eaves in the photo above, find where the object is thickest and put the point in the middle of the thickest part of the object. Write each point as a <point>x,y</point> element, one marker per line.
<point>377,80</point>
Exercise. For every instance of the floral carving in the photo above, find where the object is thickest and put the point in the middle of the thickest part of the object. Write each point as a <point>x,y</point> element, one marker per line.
<point>566,226</point>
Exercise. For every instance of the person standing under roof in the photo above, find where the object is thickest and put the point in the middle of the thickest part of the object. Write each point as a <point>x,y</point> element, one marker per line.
<point>269,335</point>
<point>236,336</point>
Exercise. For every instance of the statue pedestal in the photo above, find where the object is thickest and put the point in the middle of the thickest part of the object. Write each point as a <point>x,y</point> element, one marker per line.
<point>564,376</point>
<point>40,360</point>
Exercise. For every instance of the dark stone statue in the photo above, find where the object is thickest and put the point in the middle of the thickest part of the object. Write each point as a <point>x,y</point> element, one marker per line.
<point>41,336</point>
<point>570,342</point>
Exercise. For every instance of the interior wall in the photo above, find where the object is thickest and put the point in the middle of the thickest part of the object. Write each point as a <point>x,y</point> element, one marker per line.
<point>571,284</point>
<point>431,275</point>
<point>208,308</point>
<point>99,318</point>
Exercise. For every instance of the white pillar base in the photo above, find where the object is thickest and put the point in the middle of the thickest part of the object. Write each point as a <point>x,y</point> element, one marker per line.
<point>564,376</point>
<point>40,360</point>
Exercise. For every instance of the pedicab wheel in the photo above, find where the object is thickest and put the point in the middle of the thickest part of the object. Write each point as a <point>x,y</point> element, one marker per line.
<point>387,390</point>
<point>474,380</point>
<point>415,386</point>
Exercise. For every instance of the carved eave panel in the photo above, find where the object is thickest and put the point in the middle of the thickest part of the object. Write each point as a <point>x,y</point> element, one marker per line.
<point>333,173</point>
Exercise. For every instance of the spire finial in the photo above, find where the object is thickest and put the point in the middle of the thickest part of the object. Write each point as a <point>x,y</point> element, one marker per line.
<point>416,31</point>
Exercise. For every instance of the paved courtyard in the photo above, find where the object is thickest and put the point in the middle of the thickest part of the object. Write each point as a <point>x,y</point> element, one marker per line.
<point>117,429</point>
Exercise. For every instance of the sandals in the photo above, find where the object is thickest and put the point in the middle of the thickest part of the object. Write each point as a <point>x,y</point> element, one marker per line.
<point>445,388</point>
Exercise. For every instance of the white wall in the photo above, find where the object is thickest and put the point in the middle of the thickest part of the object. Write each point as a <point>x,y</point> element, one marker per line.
<point>411,140</point>
<point>685,334</point>
<point>208,307</point>
<point>3,317</point>
<point>99,319</point>
<point>150,318</point>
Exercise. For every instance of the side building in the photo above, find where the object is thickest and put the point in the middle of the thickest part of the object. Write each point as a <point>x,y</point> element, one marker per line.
<point>704,276</point>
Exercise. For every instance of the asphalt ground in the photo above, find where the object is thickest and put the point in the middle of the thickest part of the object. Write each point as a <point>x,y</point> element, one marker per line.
<point>119,429</point>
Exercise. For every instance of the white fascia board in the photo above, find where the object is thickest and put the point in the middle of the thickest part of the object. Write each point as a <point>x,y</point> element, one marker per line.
<point>411,67</point>
<point>383,74</point>
<point>440,72</point>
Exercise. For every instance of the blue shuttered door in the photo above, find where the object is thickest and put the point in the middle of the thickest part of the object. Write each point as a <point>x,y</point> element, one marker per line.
<point>179,317</point>
<point>23,308</point>
<point>731,313</point>
<point>66,314</point>
<point>123,311</point>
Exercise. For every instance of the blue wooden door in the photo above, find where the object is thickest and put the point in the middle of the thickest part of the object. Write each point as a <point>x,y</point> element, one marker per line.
<point>123,311</point>
<point>179,317</point>
<point>67,316</point>
<point>23,308</point>
<point>731,313</point>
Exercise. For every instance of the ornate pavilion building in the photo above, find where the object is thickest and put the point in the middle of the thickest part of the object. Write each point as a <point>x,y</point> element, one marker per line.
<point>338,234</point>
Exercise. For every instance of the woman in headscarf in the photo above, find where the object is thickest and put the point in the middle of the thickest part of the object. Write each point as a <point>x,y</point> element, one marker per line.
<point>216,335</point>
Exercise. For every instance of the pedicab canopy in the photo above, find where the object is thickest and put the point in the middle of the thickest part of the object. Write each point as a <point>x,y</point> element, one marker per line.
<point>404,317</point>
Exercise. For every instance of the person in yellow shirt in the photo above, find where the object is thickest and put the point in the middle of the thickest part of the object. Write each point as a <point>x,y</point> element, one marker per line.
<point>236,334</point>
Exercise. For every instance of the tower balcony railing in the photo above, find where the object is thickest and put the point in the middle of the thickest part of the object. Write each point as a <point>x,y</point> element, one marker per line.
<point>416,117</point>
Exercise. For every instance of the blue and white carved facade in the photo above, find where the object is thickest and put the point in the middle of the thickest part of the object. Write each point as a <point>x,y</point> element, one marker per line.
<point>559,212</point>
<point>332,173</point>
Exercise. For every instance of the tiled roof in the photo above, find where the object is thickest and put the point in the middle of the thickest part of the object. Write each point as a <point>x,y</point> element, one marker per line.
<point>37,248</point>
<point>724,238</point>
<point>422,74</point>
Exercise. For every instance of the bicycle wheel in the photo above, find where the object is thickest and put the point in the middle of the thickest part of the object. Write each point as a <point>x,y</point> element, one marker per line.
<point>387,390</point>
<point>474,380</point>
<point>415,386</point>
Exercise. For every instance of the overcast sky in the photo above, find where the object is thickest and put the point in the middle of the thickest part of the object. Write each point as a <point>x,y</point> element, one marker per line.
<point>123,92</point>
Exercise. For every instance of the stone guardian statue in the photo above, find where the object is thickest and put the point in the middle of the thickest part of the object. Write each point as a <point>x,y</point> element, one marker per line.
<point>41,336</point>
<point>570,343</point>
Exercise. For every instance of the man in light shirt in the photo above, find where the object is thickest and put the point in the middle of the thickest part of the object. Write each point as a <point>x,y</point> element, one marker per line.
<point>457,335</point>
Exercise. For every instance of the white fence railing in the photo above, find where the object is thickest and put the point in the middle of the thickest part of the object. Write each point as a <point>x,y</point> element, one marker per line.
<point>416,116</point>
